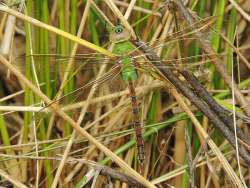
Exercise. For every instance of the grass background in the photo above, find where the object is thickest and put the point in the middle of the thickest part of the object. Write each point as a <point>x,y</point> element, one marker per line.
<point>25,136</point>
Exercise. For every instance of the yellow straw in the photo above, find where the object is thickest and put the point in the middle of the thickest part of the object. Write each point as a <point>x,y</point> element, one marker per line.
<point>56,30</point>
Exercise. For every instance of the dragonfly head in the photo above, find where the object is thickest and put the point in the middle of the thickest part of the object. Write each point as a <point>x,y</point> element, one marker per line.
<point>119,34</point>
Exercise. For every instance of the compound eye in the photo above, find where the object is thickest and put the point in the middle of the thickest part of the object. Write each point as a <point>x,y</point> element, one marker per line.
<point>118,30</point>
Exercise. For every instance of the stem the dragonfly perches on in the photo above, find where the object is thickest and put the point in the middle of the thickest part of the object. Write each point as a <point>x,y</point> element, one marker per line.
<point>212,114</point>
<point>179,7</point>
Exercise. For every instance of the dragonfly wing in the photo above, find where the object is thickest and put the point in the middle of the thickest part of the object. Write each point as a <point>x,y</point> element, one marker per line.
<point>186,34</point>
<point>59,62</point>
<point>76,94</point>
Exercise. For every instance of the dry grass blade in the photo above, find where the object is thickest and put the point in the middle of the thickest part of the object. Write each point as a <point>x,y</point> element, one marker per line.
<point>119,15</point>
<point>15,182</point>
<point>205,137</point>
<point>242,12</point>
<point>55,30</point>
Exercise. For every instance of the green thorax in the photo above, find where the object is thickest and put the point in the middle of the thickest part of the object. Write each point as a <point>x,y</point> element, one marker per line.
<point>123,49</point>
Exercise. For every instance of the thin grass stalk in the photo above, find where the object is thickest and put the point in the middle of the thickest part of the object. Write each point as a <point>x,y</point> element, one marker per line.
<point>101,16</point>
<point>152,118</point>
<point>12,180</point>
<point>11,166</point>
<point>36,14</point>
<point>119,16</point>
<point>200,9</point>
<point>61,26</point>
<point>180,146</point>
<point>180,151</point>
<point>147,33</point>
<point>183,125</point>
<point>41,46</point>
<point>145,5</point>
<point>44,49</point>
<point>185,178</point>
<point>243,84</point>
<point>216,39</point>
<point>28,73</point>
<point>63,49</point>
<point>93,29</point>
<point>28,95</point>
<point>70,86</point>
<point>231,29</point>
<point>73,20</point>
<point>138,16</point>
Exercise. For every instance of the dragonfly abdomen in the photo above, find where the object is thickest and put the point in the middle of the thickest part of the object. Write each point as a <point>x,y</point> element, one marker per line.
<point>137,123</point>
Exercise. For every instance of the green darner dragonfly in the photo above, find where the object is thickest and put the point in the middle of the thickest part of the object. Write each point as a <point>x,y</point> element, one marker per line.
<point>120,37</point>
<point>128,65</point>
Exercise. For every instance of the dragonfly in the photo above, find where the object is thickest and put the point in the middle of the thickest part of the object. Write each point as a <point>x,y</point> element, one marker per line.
<point>120,37</point>
<point>129,64</point>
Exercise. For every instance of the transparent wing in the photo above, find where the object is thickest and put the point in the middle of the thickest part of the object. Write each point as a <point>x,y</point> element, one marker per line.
<point>86,66</point>
<point>167,48</point>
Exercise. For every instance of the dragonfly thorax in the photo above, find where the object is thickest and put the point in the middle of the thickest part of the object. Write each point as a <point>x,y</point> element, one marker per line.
<point>128,69</point>
<point>123,48</point>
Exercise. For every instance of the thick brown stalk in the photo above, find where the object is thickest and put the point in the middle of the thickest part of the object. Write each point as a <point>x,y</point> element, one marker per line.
<point>199,103</point>
<point>177,5</point>
<point>224,115</point>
